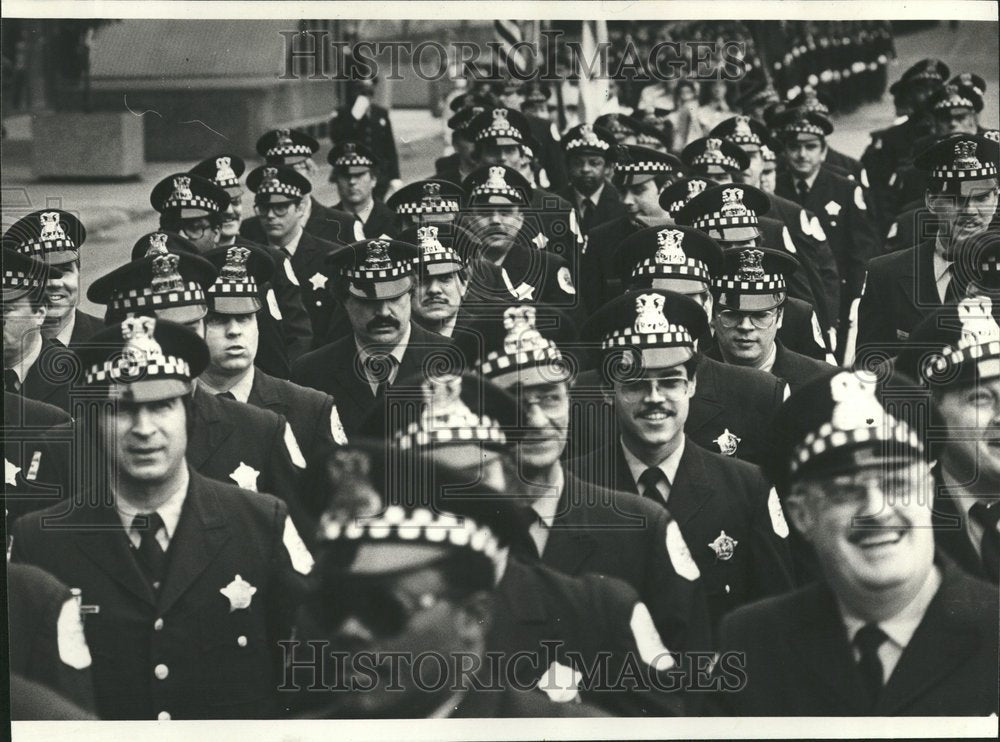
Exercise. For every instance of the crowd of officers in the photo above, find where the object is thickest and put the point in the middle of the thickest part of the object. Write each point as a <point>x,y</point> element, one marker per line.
<point>491,449</point>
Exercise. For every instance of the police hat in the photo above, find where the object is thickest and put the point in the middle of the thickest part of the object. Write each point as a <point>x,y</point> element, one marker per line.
<point>800,124</point>
<point>461,121</point>
<point>168,285</point>
<point>277,184</point>
<point>932,71</point>
<point>224,170</point>
<point>589,139</point>
<point>144,359</point>
<point>22,275</point>
<point>951,97</point>
<point>770,159</point>
<point>440,251</point>
<point>837,422</point>
<point>645,329</point>
<point>678,193</point>
<point>376,269</point>
<point>536,92</point>
<point>286,146</point>
<point>496,184</point>
<point>352,157</point>
<point>742,131</point>
<point>714,156</point>
<point>51,235</point>
<point>635,164</point>
<point>756,96</point>
<point>501,126</point>
<point>810,100</point>
<point>970,80</point>
<point>469,100</point>
<point>427,197</point>
<point>528,345</point>
<point>672,258</point>
<point>727,213</point>
<point>960,163</point>
<point>753,279</point>
<point>243,269</point>
<point>188,196</point>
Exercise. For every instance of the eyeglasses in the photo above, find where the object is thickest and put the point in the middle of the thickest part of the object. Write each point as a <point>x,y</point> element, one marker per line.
<point>276,209</point>
<point>384,611</point>
<point>760,320</point>
<point>673,387</point>
<point>197,230</point>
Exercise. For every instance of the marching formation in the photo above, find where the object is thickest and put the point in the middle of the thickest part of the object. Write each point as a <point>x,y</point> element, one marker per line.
<point>603,421</point>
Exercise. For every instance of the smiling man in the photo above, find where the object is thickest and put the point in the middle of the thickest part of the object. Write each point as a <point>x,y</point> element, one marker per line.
<point>888,630</point>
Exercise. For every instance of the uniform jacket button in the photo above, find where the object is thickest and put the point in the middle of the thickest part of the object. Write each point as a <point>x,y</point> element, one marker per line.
<point>158,624</point>
<point>241,640</point>
<point>161,672</point>
<point>163,716</point>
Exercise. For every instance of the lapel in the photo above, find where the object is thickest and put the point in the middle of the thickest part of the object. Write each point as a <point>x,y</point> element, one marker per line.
<point>691,489</point>
<point>201,532</point>
<point>35,385</point>
<point>923,264</point>
<point>522,594</point>
<point>264,393</point>
<point>570,542</point>
<point>211,428</point>
<point>380,221</point>
<point>103,540</point>
<point>417,349</point>
<point>705,405</point>
<point>84,327</point>
<point>305,255</point>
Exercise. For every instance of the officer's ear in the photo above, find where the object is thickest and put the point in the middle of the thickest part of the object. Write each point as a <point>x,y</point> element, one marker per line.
<point>781,317</point>
<point>474,620</point>
<point>799,511</point>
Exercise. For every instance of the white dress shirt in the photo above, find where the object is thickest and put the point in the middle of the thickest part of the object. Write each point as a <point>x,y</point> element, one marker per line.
<point>66,332</point>
<point>942,269</point>
<point>594,197</point>
<point>293,244</point>
<point>169,511</point>
<point>240,390</point>
<point>668,466</point>
<point>546,507</point>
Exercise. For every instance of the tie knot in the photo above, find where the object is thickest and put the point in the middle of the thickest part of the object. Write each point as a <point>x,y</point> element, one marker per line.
<point>869,638</point>
<point>652,477</point>
<point>986,515</point>
<point>144,523</point>
<point>11,382</point>
<point>380,366</point>
<point>227,395</point>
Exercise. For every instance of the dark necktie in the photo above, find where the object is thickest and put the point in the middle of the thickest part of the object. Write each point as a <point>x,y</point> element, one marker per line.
<point>10,381</point>
<point>151,556</point>
<point>648,481</point>
<point>802,188</point>
<point>380,368</point>
<point>868,640</point>
<point>523,545</point>
<point>987,516</point>
<point>587,214</point>
<point>226,395</point>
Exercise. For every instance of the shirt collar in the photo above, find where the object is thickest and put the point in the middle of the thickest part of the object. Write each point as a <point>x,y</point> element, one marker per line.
<point>668,466</point>
<point>293,244</point>
<point>22,367</point>
<point>941,264</point>
<point>66,332</point>
<point>548,506</point>
<point>169,511</point>
<point>397,351</point>
<point>595,197</point>
<point>366,212</point>
<point>811,179</point>
<point>240,390</point>
<point>901,627</point>
<point>768,363</point>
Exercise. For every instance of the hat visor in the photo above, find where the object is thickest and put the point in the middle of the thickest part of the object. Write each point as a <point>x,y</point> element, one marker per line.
<point>183,314</point>
<point>803,136</point>
<point>274,198</point>
<point>750,302</point>
<point>61,257</point>
<point>13,294</point>
<point>734,234</point>
<point>535,375</point>
<point>714,169</point>
<point>633,179</point>
<point>189,212</point>
<point>387,557</point>
<point>379,289</point>
<point>149,390</point>
<point>234,191</point>
<point>848,459</point>
<point>351,169</point>
<point>287,159</point>
<point>688,286</point>
<point>442,268</point>
<point>234,304</point>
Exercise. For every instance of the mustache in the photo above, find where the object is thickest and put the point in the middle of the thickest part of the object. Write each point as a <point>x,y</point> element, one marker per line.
<point>646,409</point>
<point>383,322</point>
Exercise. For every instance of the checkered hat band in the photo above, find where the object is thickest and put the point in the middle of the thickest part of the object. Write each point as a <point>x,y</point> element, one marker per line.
<point>144,297</point>
<point>493,131</point>
<point>644,167</point>
<point>676,336</point>
<point>690,268</point>
<point>418,526</point>
<point>497,363</point>
<point>381,274</point>
<point>716,220</point>
<point>41,247</point>
<point>226,182</point>
<point>117,371</point>
<point>766,285</point>
<point>955,102</point>
<point>195,202</point>
<point>17,280</point>
<point>715,159</point>
<point>354,160</point>
<point>289,149</point>
<point>445,256</point>
<point>744,139</point>
<point>827,439</point>
<point>508,191</point>
<point>590,144</point>
<point>234,288</point>
<point>435,207</point>
<point>965,352</point>
<point>804,128</point>
<point>421,438</point>
<point>949,173</point>
<point>279,188</point>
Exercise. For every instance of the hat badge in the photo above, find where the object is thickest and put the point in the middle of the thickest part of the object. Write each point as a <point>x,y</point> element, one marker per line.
<point>588,134</point>
<point>235,267</point>
<point>978,324</point>
<point>140,346</point>
<point>766,152</point>
<point>444,406</point>
<point>521,333</point>
<point>854,404</point>
<point>157,245</point>
<point>354,494</point>
<point>428,239</point>
<point>669,251</point>
<point>742,127</point>
<point>432,191</point>
<point>496,180</point>
<point>751,268</point>
<point>695,187</point>
<point>224,169</point>
<point>993,135</point>
<point>350,148</point>
<point>165,275</point>
<point>182,188</point>
<point>500,120</point>
<point>649,318</point>
<point>377,255</point>
<point>732,202</point>
<point>269,178</point>
<point>965,156</point>
<point>284,137</point>
<point>51,229</point>
<point>713,145</point>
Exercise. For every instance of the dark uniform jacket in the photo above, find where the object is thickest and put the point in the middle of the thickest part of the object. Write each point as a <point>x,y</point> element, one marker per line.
<point>801,331</point>
<point>899,292</point>
<point>187,650</point>
<point>51,376</point>
<point>43,649</point>
<point>335,369</point>
<point>381,223</point>
<point>550,214</point>
<point>309,265</point>
<point>551,157</point>
<point>621,535</point>
<point>951,536</point>
<point>798,661</point>
<point>599,275</point>
<point>37,443</point>
<point>84,327</point>
<point>609,206</point>
<point>373,130</point>
<point>323,223</point>
<point>447,168</point>
<point>793,368</point>
<point>712,494</point>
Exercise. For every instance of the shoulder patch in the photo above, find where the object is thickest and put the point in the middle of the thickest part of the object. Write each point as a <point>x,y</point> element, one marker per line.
<point>778,522</point>
<point>817,331</point>
<point>292,445</point>
<point>561,683</point>
<point>680,556</point>
<point>302,560</point>
<point>864,178</point>
<point>786,237</point>
<point>566,280</point>
<point>648,641</point>
<point>73,649</point>
<point>893,231</point>
<point>289,273</point>
<point>817,229</point>
<point>859,199</point>
<point>337,427</point>
<point>272,305</point>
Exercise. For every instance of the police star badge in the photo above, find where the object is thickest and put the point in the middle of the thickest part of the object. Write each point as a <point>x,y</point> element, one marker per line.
<point>239,592</point>
<point>318,281</point>
<point>245,476</point>
<point>727,443</point>
<point>724,546</point>
<point>832,208</point>
<point>669,251</point>
<point>10,472</point>
<point>561,683</point>
<point>649,317</point>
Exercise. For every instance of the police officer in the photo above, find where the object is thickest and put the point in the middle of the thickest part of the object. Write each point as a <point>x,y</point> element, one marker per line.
<point>590,154</point>
<point>750,293</point>
<point>841,164</point>
<point>191,206</point>
<point>55,237</point>
<point>734,526</point>
<point>889,629</point>
<point>714,158</point>
<point>442,279</point>
<point>430,201</point>
<point>457,166</point>
<point>294,149</point>
<point>37,442</point>
<point>355,173</point>
<point>182,618</point>
<point>905,285</point>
